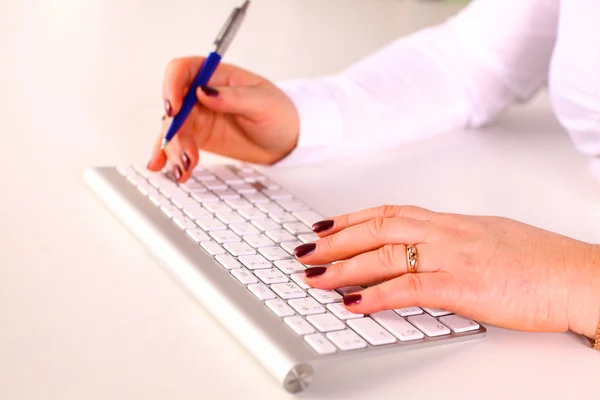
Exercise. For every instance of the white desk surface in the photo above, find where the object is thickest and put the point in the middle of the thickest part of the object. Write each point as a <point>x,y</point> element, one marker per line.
<point>86,313</point>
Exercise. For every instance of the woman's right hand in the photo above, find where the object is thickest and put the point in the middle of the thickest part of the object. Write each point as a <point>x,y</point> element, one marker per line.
<point>240,115</point>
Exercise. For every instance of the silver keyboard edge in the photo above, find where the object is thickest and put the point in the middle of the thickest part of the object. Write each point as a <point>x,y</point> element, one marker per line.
<point>285,355</point>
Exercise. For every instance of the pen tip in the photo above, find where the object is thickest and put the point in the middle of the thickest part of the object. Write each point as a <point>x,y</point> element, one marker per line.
<point>164,144</point>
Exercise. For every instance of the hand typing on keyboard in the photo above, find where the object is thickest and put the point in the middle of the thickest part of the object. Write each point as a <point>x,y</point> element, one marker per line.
<point>242,116</point>
<point>495,270</point>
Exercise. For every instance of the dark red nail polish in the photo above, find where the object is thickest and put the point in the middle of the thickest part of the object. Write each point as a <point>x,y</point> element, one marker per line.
<point>352,299</point>
<point>185,160</point>
<point>304,249</point>
<point>322,226</point>
<point>210,91</point>
<point>168,108</point>
<point>314,271</point>
<point>177,172</point>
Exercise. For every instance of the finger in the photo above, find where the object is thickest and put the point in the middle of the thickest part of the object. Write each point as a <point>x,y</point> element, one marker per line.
<point>361,238</point>
<point>432,290</point>
<point>336,224</point>
<point>158,158</point>
<point>247,101</point>
<point>386,263</point>
<point>183,157</point>
<point>181,72</point>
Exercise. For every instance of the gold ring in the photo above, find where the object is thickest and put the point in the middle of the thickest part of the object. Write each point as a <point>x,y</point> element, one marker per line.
<point>412,259</point>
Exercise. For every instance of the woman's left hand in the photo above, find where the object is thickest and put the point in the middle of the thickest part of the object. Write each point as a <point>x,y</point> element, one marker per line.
<point>494,270</point>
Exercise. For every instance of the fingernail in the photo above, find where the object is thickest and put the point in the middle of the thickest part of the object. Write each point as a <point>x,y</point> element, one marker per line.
<point>314,271</point>
<point>352,299</point>
<point>322,226</point>
<point>304,249</point>
<point>168,108</point>
<point>210,91</point>
<point>177,172</point>
<point>185,160</point>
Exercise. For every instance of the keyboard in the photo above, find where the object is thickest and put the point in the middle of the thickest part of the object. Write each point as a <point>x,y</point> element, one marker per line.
<point>228,236</point>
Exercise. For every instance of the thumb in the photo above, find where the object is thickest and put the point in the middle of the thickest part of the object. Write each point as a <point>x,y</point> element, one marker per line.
<point>245,101</point>
<point>431,290</point>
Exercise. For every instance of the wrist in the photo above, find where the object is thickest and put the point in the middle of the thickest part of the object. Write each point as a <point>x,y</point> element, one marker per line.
<point>584,293</point>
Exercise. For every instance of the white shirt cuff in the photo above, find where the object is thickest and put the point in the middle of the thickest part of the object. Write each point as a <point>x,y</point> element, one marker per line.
<point>320,121</point>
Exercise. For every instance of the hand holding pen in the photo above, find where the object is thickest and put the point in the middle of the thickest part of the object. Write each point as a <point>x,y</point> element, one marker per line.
<point>241,115</point>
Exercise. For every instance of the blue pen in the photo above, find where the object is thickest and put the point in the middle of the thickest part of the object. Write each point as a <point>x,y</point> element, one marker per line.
<point>221,43</point>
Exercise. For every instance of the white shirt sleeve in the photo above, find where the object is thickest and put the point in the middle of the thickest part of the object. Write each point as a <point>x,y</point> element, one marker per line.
<point>460,74</point>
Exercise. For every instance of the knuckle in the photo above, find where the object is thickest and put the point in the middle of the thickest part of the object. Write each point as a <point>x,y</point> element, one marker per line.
<point>388,256</point>
<point>388,211</point>
<point>379,296</point>
<point>414,284</point>
<point>331,242</point>
<point>377,226</point>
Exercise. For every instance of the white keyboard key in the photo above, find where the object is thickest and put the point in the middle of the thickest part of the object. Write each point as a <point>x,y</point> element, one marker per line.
<point>348,289</point>
<point>224,194</point>
<point>173,192</point>
<point>228,262</point>
<point>289,266</point>
<point>280,308</point>
<point>197,235</point>
<point>459,324</point>
<point>229,217</point>
<point>292,205</point>
<point>265,224</point>
<point>280,235</point>
<point>409,311</point>
<point>270,208</point>
<point>299,278</point>
<point>243,188</point>
<point>217,206</point>
<point>237,204</point>
<point>183,202</point>
<point>299,325</point>
<point>306,306</point>
<point>429,325</point>
<point>283,218</point>
<point>160,200</point>
<point>252,213</point>
<point>288,290</point>
<point>251,176</point>
<point>239,249</point>
<point>171,211</point>
<point>193,187</point>
<point>308,217</point>
<point>203,175</point>
<point>271,276</point>
<point>205,198</point>
<point>211,224</point>
<point>341,312</point>
<point>244,276</point>
<point>371,331</point>
<point>184,223</point>
<point>346,340</point>
<point>326,322</point>
<point>197,213</point>
<point>325,296</point>
<point>290,246</point>
<point>225,236</point>
<point>269,184</point>
<point>397,326</point>
<point>256,198</point>
<point>277,194</point>
<point>212,248</point>
<point>308,237</point>
<point>225,174</point>
<point>147,190</point>
<point>296,228</point>
<point>320,343</point>
<point>127,170</point>
<point>244,229</point>
<point>215,184</point>
<point>255,261</point>
<point>257,241</point>
<point>436,312</point>
<point>273,253</point>
<point>261,291</point>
